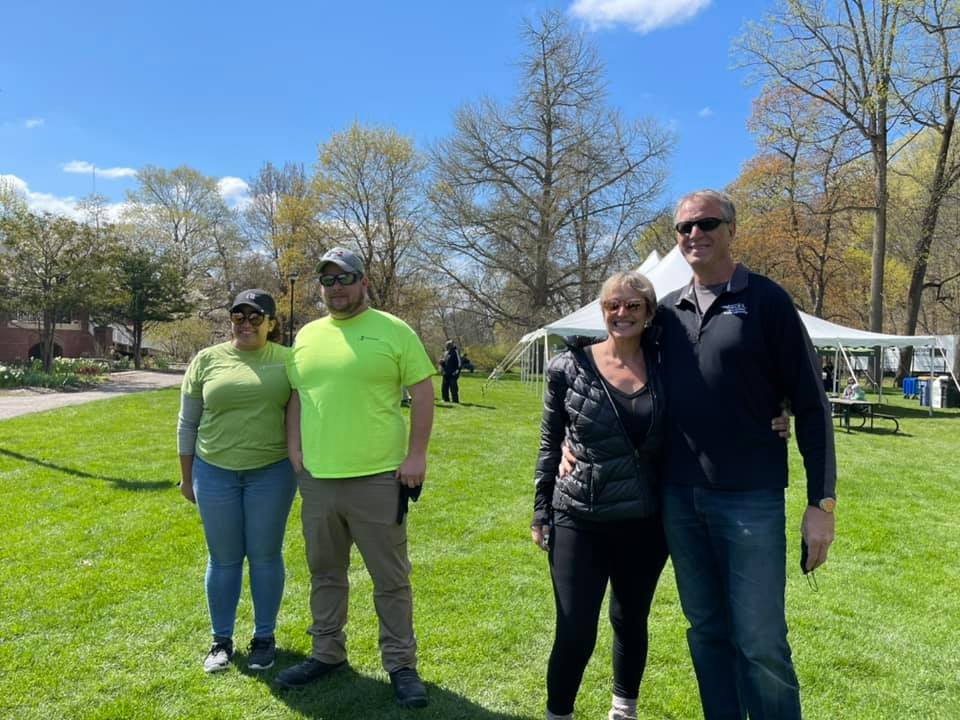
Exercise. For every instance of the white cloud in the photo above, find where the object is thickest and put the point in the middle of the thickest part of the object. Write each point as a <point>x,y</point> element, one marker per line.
<point>642,16</point>
<point>46,202</point>
<point>706,112</point>
<point>14,183</point>
<point>82,167</point>
<point>234,191</point>
<point>33,123</point>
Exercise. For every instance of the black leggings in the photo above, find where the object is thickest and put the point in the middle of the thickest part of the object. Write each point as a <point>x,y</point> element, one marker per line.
<point>583,557</point>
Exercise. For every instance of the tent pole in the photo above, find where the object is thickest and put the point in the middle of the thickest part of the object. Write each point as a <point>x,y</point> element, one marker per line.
<point>946,362</point>
<point>846,361</point>
<point>880,396</point>
<point>546,361</point>
<point>836,364</point>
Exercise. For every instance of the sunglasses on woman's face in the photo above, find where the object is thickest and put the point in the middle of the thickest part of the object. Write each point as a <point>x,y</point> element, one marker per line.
<point>256,319</point>
<point>347,278</point>
<point>629,305</point>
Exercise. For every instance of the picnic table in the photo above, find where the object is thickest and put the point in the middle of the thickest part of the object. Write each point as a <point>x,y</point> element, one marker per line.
<point>843,409</point>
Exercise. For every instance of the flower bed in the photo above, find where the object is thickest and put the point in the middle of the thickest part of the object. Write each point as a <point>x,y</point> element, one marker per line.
<point>66,373</point>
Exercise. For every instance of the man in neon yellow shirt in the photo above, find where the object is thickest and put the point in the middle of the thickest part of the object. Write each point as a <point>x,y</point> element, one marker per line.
<point>355,458</point>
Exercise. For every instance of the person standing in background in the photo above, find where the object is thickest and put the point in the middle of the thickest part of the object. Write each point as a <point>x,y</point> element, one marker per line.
<point>450,366</point>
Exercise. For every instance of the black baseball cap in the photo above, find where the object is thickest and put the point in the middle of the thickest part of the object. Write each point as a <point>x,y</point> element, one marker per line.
<point>256,298</point>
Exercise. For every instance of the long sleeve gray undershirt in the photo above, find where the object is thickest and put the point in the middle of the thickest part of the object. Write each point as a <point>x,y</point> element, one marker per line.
<point>191,410</point>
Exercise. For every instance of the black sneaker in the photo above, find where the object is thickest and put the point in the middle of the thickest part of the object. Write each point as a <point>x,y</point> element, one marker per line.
<point>310,670</point>
<point>408,688</point>
<point>219,656</point>
<point>263,651</point>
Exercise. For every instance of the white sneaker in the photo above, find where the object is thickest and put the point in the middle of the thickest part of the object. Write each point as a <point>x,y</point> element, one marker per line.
<point>219,656</point>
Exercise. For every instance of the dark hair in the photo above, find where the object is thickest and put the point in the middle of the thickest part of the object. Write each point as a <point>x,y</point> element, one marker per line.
<point>275,335</point>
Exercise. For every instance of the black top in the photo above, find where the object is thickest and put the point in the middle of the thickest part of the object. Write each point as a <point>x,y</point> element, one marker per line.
<point>635,409</point>
<point>725,377</point>
<point>615,477</point>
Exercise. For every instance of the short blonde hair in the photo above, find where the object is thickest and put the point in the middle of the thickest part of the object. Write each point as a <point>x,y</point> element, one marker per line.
<point>631,280</point>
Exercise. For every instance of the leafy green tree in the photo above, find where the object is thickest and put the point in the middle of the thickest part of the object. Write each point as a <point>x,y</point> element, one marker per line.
<point>53,266</point>
<point>149,289</point>
<point>182,339</point>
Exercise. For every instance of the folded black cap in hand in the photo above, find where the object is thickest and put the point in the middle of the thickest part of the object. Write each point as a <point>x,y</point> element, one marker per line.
<point>406,495</point>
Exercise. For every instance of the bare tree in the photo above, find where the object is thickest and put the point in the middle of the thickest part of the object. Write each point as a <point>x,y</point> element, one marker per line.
<point>536,201</point>
<point>930,91</point>
<point>268,219</point>
<point>842,53</point>
<point>370,181</point>
<point>816,180</point>
<point>182,212</point>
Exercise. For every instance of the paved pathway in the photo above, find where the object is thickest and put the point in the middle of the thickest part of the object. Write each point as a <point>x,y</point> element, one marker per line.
<point>29,400</point>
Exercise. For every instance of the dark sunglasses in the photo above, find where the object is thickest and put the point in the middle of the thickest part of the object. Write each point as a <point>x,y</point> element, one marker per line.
<point>256,319</point>
<point>630,305</point>
<point>347,278</point>
<point>705,224</point>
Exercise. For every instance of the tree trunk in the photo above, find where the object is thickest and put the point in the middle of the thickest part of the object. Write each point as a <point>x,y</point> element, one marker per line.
<point>879,234</point>
<point>137,342</point>
<point>47,336</point>
<point>940,184</point>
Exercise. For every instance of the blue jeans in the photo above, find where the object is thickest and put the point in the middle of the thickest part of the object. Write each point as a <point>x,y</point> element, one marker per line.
<point>244,514</point>
<point>729,556</point>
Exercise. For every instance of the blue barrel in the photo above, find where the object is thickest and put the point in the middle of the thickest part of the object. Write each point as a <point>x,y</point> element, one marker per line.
<point>909,387</point>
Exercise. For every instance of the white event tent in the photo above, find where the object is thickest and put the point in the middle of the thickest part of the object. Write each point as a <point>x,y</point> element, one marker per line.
<point>672,272</point>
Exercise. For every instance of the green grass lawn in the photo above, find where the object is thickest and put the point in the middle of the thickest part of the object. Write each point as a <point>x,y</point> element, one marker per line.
<point>102,613</point>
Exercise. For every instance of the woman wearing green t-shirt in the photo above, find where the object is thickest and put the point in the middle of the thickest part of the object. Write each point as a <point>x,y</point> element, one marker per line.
<point>233,464</point>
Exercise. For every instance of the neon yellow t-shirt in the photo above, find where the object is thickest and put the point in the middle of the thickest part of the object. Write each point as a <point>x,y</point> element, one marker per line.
<point>349,374</point>
<point>245,394</point>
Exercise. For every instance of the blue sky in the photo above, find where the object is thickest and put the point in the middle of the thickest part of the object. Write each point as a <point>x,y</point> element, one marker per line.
<point>225,87</point>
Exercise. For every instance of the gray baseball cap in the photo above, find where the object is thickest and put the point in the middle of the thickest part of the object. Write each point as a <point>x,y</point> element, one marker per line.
<point>343,258</point>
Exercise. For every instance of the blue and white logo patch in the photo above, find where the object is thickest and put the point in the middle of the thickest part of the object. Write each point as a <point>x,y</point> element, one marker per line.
<point>734,309</point>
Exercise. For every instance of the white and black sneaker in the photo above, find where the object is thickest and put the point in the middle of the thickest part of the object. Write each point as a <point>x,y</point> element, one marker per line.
<point>263,651</point>
<point>219,656</point>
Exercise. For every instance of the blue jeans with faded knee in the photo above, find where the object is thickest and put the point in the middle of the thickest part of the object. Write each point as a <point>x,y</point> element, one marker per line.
<point>729,555</point>
<point>244,514</point>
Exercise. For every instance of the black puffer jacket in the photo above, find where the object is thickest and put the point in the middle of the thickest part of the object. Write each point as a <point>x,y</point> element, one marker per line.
<point>613,479</point>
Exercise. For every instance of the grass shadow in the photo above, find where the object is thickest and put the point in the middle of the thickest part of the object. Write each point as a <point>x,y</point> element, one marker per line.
<point>121,483</point>
<point>449,405</point>
<point>918,412</point>
<point>478,405</point>
<point>347,694</point>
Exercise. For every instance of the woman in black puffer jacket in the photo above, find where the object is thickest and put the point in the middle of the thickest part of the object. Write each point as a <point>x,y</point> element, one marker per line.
<point>601,522</point>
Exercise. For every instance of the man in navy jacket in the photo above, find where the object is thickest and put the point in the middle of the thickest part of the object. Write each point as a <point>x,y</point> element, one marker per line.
<point>735,349</point>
